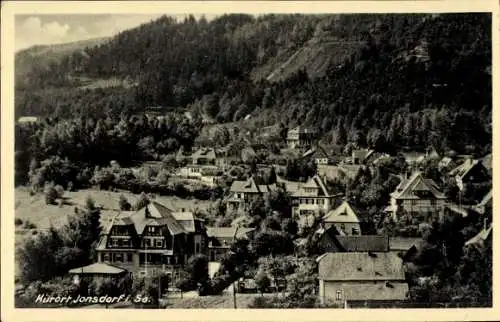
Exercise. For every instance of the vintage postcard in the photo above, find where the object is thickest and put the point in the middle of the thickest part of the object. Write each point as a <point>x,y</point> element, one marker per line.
<point>209,160</point>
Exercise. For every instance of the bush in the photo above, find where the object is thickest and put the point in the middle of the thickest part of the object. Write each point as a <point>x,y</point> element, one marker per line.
<point>50,195</point>
<point>29,225</point>
<point>18,222</point>
<point>124,204</point>
<point>60,191</point>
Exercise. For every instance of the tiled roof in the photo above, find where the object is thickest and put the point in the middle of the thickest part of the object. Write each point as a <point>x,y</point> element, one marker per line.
<point>362,154</point>
<point>314,182</point>
<point>363,243</point>
<point>361,267</point>
<point>249,186</point>
<point>186,219</point>
<point>228,232</point>
<point>404,243</point>
<point>408,188</point>
<point>343,213</point>
<point>97,268</point>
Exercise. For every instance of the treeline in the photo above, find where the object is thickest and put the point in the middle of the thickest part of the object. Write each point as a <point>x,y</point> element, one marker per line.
<point>417,80</point>
<point>63,150</point>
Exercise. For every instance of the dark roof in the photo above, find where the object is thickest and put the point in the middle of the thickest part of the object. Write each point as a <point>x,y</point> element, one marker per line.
<point>97,268</point>
<point>363,243</point>
<point>228,232</point>
<point>404,243</point>
<point>154,214</point>
<point>250,186</point>
<point>360,266</point>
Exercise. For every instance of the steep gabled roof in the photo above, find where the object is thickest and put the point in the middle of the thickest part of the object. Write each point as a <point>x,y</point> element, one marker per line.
<point>480,207</point>
<point>411,188</point>
<point>480,237</point>
<point>463,169</point>
<point>342,214</point>
<point>248,186</point>
<point>362,154</point>
<point>361,266</point>
<point>314,182</point>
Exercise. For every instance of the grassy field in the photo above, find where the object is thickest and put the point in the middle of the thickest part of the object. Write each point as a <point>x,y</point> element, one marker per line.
<point>33,208</point>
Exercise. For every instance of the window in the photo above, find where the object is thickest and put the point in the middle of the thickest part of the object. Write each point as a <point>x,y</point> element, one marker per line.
<point>147,242</point>
<point>321,201</point>
<point>342,226</point>
<point>159,243</point>
<point>339,295</point>
<point>129,257</point>
<point>118,258</point>
<point>115,242</point>
<point>197,248</point>
<point>105,257</point>
<point>152,229</point>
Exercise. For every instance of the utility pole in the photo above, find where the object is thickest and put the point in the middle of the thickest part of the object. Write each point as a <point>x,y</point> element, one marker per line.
<point>234,295</point>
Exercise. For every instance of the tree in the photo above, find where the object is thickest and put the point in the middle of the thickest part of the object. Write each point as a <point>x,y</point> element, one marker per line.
<point>142,202</point>
<point>263,282</point>
<point>197,268</point>
<point>124,204</point>
<point>50,194</point>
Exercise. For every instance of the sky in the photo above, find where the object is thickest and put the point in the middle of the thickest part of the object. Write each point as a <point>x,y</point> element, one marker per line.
<point>48,29</point>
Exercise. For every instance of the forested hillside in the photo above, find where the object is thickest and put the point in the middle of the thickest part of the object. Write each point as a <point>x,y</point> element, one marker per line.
<point>376,80</point>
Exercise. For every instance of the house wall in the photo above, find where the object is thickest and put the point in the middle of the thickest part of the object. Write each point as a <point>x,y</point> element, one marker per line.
<point>304,205</point>
<point>348,290</point>
<point>423,207</point>
<point>322,161</point>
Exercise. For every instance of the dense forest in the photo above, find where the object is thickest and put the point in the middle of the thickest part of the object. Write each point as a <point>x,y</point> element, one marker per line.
<point>385,81</point>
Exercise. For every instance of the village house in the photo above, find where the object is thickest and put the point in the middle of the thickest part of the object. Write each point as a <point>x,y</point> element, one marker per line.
<point>417,196</point>
<point>360,156</point>
<point>27,120</point>
<point>470,171</point>
<point>309,199</point>
<point>344,219</point>
<point>220,240</point>
<point>319,154</point>
<point>205,173</point>
<point>349,279</point>
<point>243,192</point>
<point>152,238</point>
<point>301,138</point>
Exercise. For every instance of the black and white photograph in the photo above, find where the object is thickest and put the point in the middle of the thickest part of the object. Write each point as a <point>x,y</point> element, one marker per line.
<point>238,160</point>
